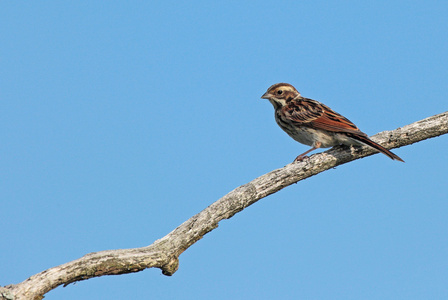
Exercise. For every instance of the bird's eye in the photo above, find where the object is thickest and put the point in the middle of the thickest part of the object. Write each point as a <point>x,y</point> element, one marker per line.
<point>279,92</point>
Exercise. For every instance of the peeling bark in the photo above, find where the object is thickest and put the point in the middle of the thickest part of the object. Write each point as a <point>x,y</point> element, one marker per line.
<point>164,253</point>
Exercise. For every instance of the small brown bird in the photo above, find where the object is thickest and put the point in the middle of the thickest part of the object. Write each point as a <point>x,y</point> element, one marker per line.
<point>314,124</point>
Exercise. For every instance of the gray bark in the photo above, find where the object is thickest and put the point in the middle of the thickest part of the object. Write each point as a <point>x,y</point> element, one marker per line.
<point>164,253</point>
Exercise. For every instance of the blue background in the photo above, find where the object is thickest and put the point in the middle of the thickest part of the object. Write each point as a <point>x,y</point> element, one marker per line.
<point>119,121</point>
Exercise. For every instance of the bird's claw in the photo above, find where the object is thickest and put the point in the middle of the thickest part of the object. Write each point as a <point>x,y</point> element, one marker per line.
<point>301,158</point>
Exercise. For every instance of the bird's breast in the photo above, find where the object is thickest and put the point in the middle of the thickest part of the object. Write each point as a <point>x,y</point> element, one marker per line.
<point>309,136</point>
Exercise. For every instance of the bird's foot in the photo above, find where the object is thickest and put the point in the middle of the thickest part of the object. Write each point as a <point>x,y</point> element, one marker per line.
<point>301,158</point>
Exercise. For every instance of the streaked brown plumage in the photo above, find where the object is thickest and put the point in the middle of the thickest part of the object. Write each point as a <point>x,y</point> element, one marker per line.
<point>314,124</point>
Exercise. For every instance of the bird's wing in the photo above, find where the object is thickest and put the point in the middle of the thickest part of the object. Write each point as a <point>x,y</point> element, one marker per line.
<point>319,116</point>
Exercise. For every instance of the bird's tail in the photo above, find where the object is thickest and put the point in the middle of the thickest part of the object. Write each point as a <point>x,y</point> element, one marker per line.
<point>367,141</point>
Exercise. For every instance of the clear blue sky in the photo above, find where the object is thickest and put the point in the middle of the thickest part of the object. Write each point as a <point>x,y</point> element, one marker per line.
<point>120,120</point>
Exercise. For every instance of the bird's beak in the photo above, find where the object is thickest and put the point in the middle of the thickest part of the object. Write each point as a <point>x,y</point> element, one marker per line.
<point>266,96</point>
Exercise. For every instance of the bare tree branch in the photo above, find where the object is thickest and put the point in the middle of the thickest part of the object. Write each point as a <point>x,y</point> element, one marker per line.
<point>164,253</point>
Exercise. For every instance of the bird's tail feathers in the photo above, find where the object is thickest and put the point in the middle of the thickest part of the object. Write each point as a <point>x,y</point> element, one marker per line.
<point>369,142</point>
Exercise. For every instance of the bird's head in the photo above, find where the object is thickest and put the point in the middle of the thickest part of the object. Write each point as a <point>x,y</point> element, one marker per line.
<point>280,94</point>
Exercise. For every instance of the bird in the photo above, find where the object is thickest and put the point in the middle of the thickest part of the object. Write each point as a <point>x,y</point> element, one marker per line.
<point>314,124</point>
